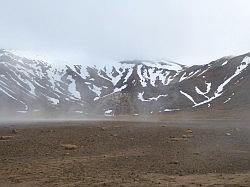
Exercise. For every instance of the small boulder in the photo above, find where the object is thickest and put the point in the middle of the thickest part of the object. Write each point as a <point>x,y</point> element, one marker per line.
<point>189,131</point>
<point>14,131</point>
<point>174,162</point>
<point>6,137</point>
<point>228,134</point>
<point>114,135</point>
<point>69,146</point>
<point>177,139</point>
<point>104,128</point>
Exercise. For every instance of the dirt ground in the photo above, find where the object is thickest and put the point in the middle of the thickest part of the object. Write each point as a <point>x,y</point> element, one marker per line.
<point>112,153</point>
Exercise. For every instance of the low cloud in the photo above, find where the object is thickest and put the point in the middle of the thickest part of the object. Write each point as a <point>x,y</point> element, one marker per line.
<point>93,31</point>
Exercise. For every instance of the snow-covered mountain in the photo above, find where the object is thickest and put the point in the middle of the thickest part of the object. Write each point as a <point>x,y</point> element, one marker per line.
<point>128,87</point>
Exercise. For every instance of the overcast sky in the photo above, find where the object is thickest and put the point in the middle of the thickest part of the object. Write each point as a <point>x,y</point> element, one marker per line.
<point>99,31</point>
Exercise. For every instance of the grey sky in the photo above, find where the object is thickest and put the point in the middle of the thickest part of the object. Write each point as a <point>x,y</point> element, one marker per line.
<point>187,31</point>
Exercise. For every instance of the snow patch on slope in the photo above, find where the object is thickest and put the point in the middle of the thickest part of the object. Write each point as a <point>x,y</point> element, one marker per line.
<point>244,64</point>
<point>188,96</point>
<point>140,97</point>
<point>72,88</point>
<point>224,63</point>
<point>204,93</point>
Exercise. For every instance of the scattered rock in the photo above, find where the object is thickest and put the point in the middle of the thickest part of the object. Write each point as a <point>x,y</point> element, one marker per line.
<point>177,139</point>
<point>6,137</point>
<point>189,131</point>
<point>228,134</point>
<point>174,162</point>
<point>14,131</point>
<point>69,146</point>
<point>104,128</point>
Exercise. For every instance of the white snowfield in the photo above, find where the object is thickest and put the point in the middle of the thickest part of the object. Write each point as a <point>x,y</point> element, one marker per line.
<point>206,92</point>
<point>163,64</point>
<point>72,88</point>
<point>156,71</point>
<point>224,63</point>
<point>108,113</point>
<point>140,97</point>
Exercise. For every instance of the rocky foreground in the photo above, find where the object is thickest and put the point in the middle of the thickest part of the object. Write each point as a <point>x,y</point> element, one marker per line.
<point>190,152</point>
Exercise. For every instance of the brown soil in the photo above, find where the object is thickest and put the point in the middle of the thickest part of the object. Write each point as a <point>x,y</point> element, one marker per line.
<point>110,153</point>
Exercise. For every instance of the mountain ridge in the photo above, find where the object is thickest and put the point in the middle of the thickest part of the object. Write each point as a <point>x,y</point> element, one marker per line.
<point>128,87</point>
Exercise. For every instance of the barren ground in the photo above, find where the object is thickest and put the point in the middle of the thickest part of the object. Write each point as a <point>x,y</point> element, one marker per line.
<point>112,153</point>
